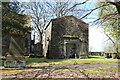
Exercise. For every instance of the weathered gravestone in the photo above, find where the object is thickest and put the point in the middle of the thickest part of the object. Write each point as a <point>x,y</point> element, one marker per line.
<point>38,49</point>
<point>15,57</point>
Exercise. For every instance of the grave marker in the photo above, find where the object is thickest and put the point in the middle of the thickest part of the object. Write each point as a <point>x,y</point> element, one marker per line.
<point>15,57</point>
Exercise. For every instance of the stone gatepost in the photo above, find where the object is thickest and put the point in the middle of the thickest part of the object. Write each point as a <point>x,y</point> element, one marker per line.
<point>15,56</point>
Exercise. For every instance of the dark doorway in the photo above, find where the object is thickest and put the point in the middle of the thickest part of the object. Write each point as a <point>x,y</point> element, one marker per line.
<point>70,50</point>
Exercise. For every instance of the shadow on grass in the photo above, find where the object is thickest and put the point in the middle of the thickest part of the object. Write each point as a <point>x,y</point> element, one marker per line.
<point>60,61</point>
<point>96,57</point>
<point>42,60</point>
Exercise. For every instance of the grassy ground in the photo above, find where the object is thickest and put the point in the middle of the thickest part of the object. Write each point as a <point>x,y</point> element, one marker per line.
<point>90,60</point>
<point>93,60</point>
<point>93,65</point>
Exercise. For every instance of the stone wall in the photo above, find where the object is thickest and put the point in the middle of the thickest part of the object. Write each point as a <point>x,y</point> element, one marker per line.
<point>68,25</point>
<point>47,40</point>
<point>5,44</point>
<point>28,44</point>
<point>76,45</point>
<point>96,53</point>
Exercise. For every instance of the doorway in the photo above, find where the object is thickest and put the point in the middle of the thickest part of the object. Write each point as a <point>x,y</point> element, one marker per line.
<point>70,50</point>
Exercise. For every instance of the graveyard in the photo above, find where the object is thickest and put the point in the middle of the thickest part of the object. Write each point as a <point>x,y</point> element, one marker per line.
<point>39,47</point>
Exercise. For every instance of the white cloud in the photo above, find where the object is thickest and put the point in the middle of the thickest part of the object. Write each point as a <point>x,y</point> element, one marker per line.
<point>96,39</point>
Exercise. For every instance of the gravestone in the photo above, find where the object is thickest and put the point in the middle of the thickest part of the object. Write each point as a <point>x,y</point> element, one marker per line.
<point>37,51</point>
<point>15,56</point>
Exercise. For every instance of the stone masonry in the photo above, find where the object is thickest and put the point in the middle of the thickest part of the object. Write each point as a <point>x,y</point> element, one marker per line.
<point>66,37</point>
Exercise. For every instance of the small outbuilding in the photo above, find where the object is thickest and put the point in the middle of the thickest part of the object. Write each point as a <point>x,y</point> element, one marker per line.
<point>66,37</point>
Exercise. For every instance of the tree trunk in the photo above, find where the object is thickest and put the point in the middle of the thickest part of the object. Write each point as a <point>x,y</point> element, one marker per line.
<point>118,9</point>
<point>118,6</point>
<point>119,35</point>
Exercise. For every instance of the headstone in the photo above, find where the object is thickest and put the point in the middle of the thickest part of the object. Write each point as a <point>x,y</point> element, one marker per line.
<point>15,57</point>
<point>38,50</point>
<point>28,44</point>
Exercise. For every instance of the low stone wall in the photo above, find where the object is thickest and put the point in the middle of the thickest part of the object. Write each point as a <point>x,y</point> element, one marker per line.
<point>96,53</point>
<point>112,55</point>
<point>83,57</point>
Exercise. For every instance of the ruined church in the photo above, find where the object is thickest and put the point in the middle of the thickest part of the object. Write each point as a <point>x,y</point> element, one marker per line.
<point>66,37</point>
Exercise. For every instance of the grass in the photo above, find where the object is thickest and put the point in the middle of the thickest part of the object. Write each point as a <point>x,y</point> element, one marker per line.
<point>91,71</point>
<point>96,57</point>
<point>90,60</point>
<point>113,68</point>
<point>17,71</point>
<point>11,71</point>
<point>99,70</point>
<point>96,70</point>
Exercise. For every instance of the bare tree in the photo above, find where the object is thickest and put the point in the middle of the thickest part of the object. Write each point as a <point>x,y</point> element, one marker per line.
<point>42,12</point>
<point>59,9</point>
<point>38,12</point>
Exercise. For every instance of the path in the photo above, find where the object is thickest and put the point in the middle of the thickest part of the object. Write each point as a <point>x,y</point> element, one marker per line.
<point>68,71</point>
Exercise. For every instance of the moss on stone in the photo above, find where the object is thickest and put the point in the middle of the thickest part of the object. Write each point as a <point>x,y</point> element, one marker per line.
<point>70,36</point>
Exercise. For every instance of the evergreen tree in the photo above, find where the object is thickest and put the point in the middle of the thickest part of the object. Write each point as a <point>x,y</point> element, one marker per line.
<point>12,21</point>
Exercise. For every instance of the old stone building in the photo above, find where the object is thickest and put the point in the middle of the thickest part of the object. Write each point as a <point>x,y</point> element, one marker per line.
<point>66,37</point>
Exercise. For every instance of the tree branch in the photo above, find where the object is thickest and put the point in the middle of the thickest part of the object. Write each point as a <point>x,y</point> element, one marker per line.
<point>94,10</point>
